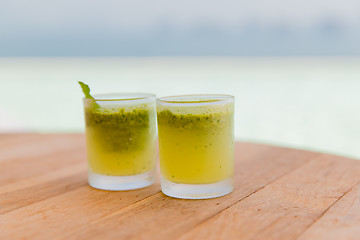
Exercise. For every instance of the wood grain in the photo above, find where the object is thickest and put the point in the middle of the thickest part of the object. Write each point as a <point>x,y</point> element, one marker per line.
<point>341,221</point>
<point>286,207</point>
<point>39,155</point>
<point>280,193</point>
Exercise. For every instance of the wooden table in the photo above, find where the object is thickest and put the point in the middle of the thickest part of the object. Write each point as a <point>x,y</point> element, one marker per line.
<point>280,193</point>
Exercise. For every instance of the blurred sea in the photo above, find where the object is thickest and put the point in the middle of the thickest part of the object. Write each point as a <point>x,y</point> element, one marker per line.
<point>304,102</point>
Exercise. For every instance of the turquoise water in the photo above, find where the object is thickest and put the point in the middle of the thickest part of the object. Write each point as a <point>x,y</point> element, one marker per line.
<point>310,103</point>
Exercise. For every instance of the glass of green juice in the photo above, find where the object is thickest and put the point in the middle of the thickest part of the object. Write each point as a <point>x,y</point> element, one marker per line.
<point>196,145</point>
<point>121,140</point>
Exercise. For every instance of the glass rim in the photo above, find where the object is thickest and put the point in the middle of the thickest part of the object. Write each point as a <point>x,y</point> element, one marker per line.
<point>208,98</point>
<point>107,97</point>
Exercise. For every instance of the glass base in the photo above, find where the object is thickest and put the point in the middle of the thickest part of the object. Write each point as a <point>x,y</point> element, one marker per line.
<point>196,191</point>
<point>118,183</point>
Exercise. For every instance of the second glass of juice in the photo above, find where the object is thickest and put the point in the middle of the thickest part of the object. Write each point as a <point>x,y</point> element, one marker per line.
<point>196,140</point>
<point>121,140</point>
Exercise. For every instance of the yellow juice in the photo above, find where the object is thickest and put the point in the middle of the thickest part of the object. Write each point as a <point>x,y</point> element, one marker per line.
<point>121,141</point>
<point>196,143</point>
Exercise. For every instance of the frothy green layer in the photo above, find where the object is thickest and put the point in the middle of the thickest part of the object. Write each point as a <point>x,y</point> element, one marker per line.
<point>118,129</point>
<point>194,121</point>
<point>117,118</point>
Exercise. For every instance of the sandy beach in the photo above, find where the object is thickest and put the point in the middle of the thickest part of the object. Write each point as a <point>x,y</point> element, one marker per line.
<point>304,102</point>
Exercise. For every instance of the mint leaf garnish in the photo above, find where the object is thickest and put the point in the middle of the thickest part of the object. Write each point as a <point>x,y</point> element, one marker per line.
<point>86,90</point>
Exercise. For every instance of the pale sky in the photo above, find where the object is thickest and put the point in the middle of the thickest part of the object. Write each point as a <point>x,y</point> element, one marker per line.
<point>136,15</point>
<point>186,27</point>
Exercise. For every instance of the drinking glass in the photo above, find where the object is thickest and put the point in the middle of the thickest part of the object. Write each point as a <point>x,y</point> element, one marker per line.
<point>196,145</point>
<point>121,140</point>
